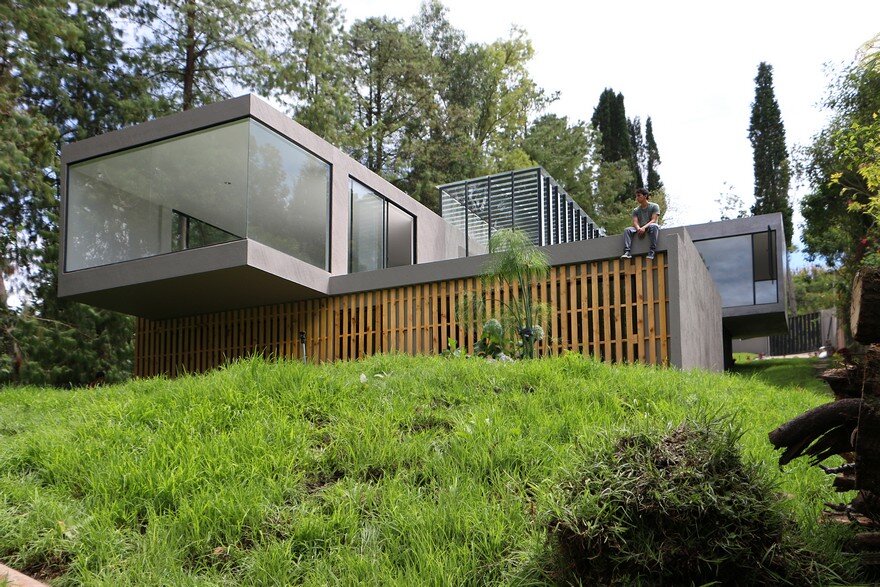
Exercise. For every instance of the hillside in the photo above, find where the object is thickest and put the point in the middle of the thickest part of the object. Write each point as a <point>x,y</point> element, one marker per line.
<point>393,470</point>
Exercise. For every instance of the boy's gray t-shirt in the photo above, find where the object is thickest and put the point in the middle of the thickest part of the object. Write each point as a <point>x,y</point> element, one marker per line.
<point>644,214</point>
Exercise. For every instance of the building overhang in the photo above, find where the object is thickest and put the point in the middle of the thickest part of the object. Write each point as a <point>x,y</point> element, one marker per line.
<point>753,321</point>
<point>238,274</point>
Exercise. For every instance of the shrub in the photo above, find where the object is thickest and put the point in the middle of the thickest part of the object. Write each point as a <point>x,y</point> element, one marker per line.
<point>680,508</point>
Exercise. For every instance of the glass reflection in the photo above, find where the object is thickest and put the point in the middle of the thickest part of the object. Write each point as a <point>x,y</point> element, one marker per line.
<point>729,261</point>
<point>121,207</point>
<point>400,237</point>
<point>289,197</point>
<point>367,219</point>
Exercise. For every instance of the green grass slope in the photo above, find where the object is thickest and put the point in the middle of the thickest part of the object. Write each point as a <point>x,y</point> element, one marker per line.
<point>393,470</point>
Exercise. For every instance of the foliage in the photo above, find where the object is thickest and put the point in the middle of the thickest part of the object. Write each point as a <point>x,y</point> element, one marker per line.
<point>567,152</point>
<point>389,81</point>
<point>310,76</point>
<point>66,62</point>
<point>841,210</point>
<point>681,508</point>
<point>770,155</point>
<point>391,470</point>
<point>516,262</point>
<point>197,52</point>
<point>627,160</point>
<point>652,176</point>
<point>815,289</point>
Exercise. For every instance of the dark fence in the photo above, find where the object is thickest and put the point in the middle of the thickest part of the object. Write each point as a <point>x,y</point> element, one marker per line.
<point>804,335</point>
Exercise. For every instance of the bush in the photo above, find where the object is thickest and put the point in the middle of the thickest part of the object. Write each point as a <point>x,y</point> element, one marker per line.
<point>679,509</point>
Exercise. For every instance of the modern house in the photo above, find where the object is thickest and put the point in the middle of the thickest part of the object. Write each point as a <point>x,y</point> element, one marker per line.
<point>230,230</point>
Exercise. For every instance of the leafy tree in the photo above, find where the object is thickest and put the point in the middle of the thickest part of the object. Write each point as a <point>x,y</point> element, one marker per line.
<point>840,211</point>
<point>815,289</point>
<point>199,51</point>
<point>652,177</point>
<point>609,118</point>
<point>27,136</point>
<point>770,155</point>
<point>474,115</point>
<point>388,65</point>
<point>310,76</point>
<point>567,152</point>
<point>72,69</point>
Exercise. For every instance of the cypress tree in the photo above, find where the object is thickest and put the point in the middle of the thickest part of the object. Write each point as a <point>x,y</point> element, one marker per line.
<point>609,118</point>
<point>637,143</point>
<point>767,135</point>
<point>653,158</point>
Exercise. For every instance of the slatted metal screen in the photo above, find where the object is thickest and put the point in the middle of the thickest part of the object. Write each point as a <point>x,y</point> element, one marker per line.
<point>614,309</point>
<point>804,335</point>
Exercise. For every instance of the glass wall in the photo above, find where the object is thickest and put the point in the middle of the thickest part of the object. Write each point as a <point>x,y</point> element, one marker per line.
<point>122,207</point>
<point>743,268</point>
<point>382,235</point>
<point>367,250</point>
<point>208,187</point>
<point>289,197</point>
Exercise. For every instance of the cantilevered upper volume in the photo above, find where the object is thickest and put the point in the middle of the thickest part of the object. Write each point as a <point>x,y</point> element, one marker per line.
<point>227,206</point>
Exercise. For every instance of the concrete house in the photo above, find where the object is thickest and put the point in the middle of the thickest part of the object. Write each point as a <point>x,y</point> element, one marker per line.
<point>230,230</point>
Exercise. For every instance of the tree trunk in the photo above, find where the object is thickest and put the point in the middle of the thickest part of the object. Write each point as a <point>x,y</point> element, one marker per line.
<point>864,315</point>
<point>189,69</point>
<point>868,441</point>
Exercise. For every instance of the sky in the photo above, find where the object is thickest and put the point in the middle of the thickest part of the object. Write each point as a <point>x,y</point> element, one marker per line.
<point>688,65</point>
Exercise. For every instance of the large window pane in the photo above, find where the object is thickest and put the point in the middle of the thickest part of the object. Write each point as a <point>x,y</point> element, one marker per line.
<point>729,261</point>
<point>764,255</point>
<point>400,237</point>
<point>289,197</point>
<point>121,207</point>
<point>367,219</point>
<point>766,292</point>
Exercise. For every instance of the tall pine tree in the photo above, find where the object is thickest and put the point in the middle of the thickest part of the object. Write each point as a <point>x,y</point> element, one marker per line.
<point>640,158</point>
<point>653,158</point>
<point>767,135</point>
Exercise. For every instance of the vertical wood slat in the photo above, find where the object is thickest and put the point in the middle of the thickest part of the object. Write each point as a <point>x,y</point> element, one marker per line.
<point>617,309</point>
<point>561,280</point>
<point>663,306</point>
<point>650,299</point>
<point>628,311</point>
<point>573,309</point>
<point>420,318</point>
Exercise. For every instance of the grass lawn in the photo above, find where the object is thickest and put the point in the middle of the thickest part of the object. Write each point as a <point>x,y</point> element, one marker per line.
<point>392,470</point>
<point>792,374</point>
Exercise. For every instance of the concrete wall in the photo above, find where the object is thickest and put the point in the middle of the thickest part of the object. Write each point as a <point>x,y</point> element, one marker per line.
<point>758,346</point>
<point>695,306</point>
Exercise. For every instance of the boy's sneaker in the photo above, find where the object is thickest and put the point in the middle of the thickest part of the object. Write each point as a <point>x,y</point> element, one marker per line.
<point>626,255</point>
<point>651,255</point>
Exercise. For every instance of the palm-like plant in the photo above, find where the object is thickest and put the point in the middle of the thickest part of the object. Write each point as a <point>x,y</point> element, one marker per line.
<point>516,262</point>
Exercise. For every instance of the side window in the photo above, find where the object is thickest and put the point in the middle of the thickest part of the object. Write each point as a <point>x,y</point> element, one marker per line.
<point>382,234</point>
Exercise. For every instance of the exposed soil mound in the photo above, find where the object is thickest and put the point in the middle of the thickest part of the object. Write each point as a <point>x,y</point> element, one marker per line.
<point>678,509</point>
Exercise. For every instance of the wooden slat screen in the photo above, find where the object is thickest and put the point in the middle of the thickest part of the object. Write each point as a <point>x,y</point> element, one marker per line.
<point>614,309</point>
